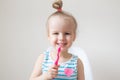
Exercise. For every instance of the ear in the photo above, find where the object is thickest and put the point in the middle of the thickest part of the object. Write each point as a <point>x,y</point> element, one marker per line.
<point>48,36</point>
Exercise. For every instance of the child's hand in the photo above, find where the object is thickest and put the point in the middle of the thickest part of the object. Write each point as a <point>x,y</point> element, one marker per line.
<point>53,71</point>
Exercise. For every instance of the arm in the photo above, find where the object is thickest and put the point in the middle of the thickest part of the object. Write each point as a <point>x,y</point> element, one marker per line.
<point>80,70</point>
<point>37,71</point>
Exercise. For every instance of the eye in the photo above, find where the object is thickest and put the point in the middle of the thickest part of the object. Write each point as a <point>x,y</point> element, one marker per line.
<point>55,33</point>
<point>67,33</point>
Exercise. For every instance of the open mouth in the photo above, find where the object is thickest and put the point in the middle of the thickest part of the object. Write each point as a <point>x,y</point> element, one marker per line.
<point>62,44</point>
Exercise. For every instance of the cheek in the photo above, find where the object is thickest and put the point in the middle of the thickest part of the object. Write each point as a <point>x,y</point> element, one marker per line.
<point>52,39</point>
<point>71,38</point>
<point>74,36</point>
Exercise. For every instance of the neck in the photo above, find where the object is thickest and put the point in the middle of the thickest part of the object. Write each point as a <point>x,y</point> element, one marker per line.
<point>63,54</point>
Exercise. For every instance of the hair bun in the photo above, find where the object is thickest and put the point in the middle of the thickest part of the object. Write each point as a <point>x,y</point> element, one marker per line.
<point>57,4</point>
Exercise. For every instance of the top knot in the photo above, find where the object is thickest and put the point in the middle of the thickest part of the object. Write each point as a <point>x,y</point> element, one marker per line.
<point>58,5</point>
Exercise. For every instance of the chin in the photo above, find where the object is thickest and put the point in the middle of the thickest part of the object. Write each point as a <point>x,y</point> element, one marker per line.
<point>64,49</point>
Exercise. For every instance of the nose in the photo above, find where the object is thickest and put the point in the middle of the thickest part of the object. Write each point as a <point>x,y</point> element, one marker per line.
<point>61,36</point>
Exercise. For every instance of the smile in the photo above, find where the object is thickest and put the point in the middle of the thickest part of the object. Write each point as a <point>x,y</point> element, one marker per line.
<point>61,44</point>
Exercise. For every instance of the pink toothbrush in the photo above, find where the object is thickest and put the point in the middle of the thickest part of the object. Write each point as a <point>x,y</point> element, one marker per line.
<point>58,54</point>
<point>67,71</point>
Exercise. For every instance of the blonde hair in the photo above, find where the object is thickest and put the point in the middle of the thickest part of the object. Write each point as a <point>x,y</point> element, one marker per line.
<point>57,4</point>
<point>65,15</point>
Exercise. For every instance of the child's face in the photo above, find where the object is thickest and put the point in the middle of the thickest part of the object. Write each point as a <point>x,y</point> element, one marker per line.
<point>61,32</point>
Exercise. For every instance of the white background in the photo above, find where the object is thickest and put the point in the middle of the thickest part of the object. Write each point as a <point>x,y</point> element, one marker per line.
<point>23,35</point>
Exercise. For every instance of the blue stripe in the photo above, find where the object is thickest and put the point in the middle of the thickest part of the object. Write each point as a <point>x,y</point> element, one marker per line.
<point>72,63</point>
<point>63,79</point>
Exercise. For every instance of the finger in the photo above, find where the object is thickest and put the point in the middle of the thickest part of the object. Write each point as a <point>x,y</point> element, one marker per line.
<point>56,66</point>
<point>53,70</point>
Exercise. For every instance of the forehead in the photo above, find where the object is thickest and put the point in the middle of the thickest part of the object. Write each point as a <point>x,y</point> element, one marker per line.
<point>61,23</point>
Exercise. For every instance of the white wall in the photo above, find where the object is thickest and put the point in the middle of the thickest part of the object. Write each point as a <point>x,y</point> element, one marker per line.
<point>23,36</point>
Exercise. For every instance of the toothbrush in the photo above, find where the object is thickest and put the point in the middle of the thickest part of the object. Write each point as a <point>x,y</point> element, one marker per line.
<point>58,55</point>
<point>67,71</point>
<point>57,59</point>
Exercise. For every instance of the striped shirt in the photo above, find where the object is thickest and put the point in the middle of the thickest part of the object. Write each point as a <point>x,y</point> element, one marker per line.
<point>70,64</point>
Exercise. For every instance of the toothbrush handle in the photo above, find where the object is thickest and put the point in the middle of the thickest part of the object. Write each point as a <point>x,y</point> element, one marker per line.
<point>56,61</point>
